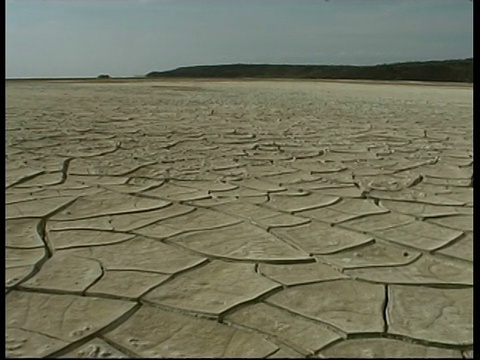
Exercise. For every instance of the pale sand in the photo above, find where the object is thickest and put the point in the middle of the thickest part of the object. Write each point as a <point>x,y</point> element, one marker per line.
<point>202,218</point>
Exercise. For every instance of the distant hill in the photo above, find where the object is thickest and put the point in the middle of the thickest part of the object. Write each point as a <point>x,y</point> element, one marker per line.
<point>443,70</point>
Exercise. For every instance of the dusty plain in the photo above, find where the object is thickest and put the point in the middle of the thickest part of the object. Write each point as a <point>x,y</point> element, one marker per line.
<point>238,219</point>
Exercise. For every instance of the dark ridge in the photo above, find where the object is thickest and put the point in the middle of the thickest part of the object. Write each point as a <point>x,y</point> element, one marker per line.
<point>441,70</point>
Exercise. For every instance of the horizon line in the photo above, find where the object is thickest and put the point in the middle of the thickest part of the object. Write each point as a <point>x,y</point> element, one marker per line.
<point>73,77</point>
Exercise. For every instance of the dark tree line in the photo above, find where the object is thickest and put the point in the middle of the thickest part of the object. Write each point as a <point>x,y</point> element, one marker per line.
<point>447,70</point>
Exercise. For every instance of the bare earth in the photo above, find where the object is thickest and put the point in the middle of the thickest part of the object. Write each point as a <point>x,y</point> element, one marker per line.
<point>238,219</point>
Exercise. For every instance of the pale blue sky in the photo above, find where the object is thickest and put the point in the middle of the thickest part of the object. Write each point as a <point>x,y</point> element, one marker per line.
<point>66,38</point>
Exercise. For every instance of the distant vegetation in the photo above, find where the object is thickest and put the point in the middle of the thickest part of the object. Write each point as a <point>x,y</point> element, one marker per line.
<point>444,70</point>
<point>103,76</point>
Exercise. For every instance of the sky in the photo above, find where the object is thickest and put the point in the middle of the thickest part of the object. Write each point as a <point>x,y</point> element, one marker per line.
<point>80,38</point>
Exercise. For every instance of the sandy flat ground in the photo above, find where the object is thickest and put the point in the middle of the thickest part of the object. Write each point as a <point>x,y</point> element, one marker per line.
<point>239,219</point>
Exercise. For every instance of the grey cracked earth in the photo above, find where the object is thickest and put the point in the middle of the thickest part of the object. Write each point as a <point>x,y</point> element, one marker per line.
<point>238,219</point>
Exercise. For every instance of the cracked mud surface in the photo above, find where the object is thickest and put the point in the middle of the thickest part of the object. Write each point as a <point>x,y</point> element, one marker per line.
<point>239,219</point>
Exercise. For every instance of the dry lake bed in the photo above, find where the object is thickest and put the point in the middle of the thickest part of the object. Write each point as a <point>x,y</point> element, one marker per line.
<point>239,219</point>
